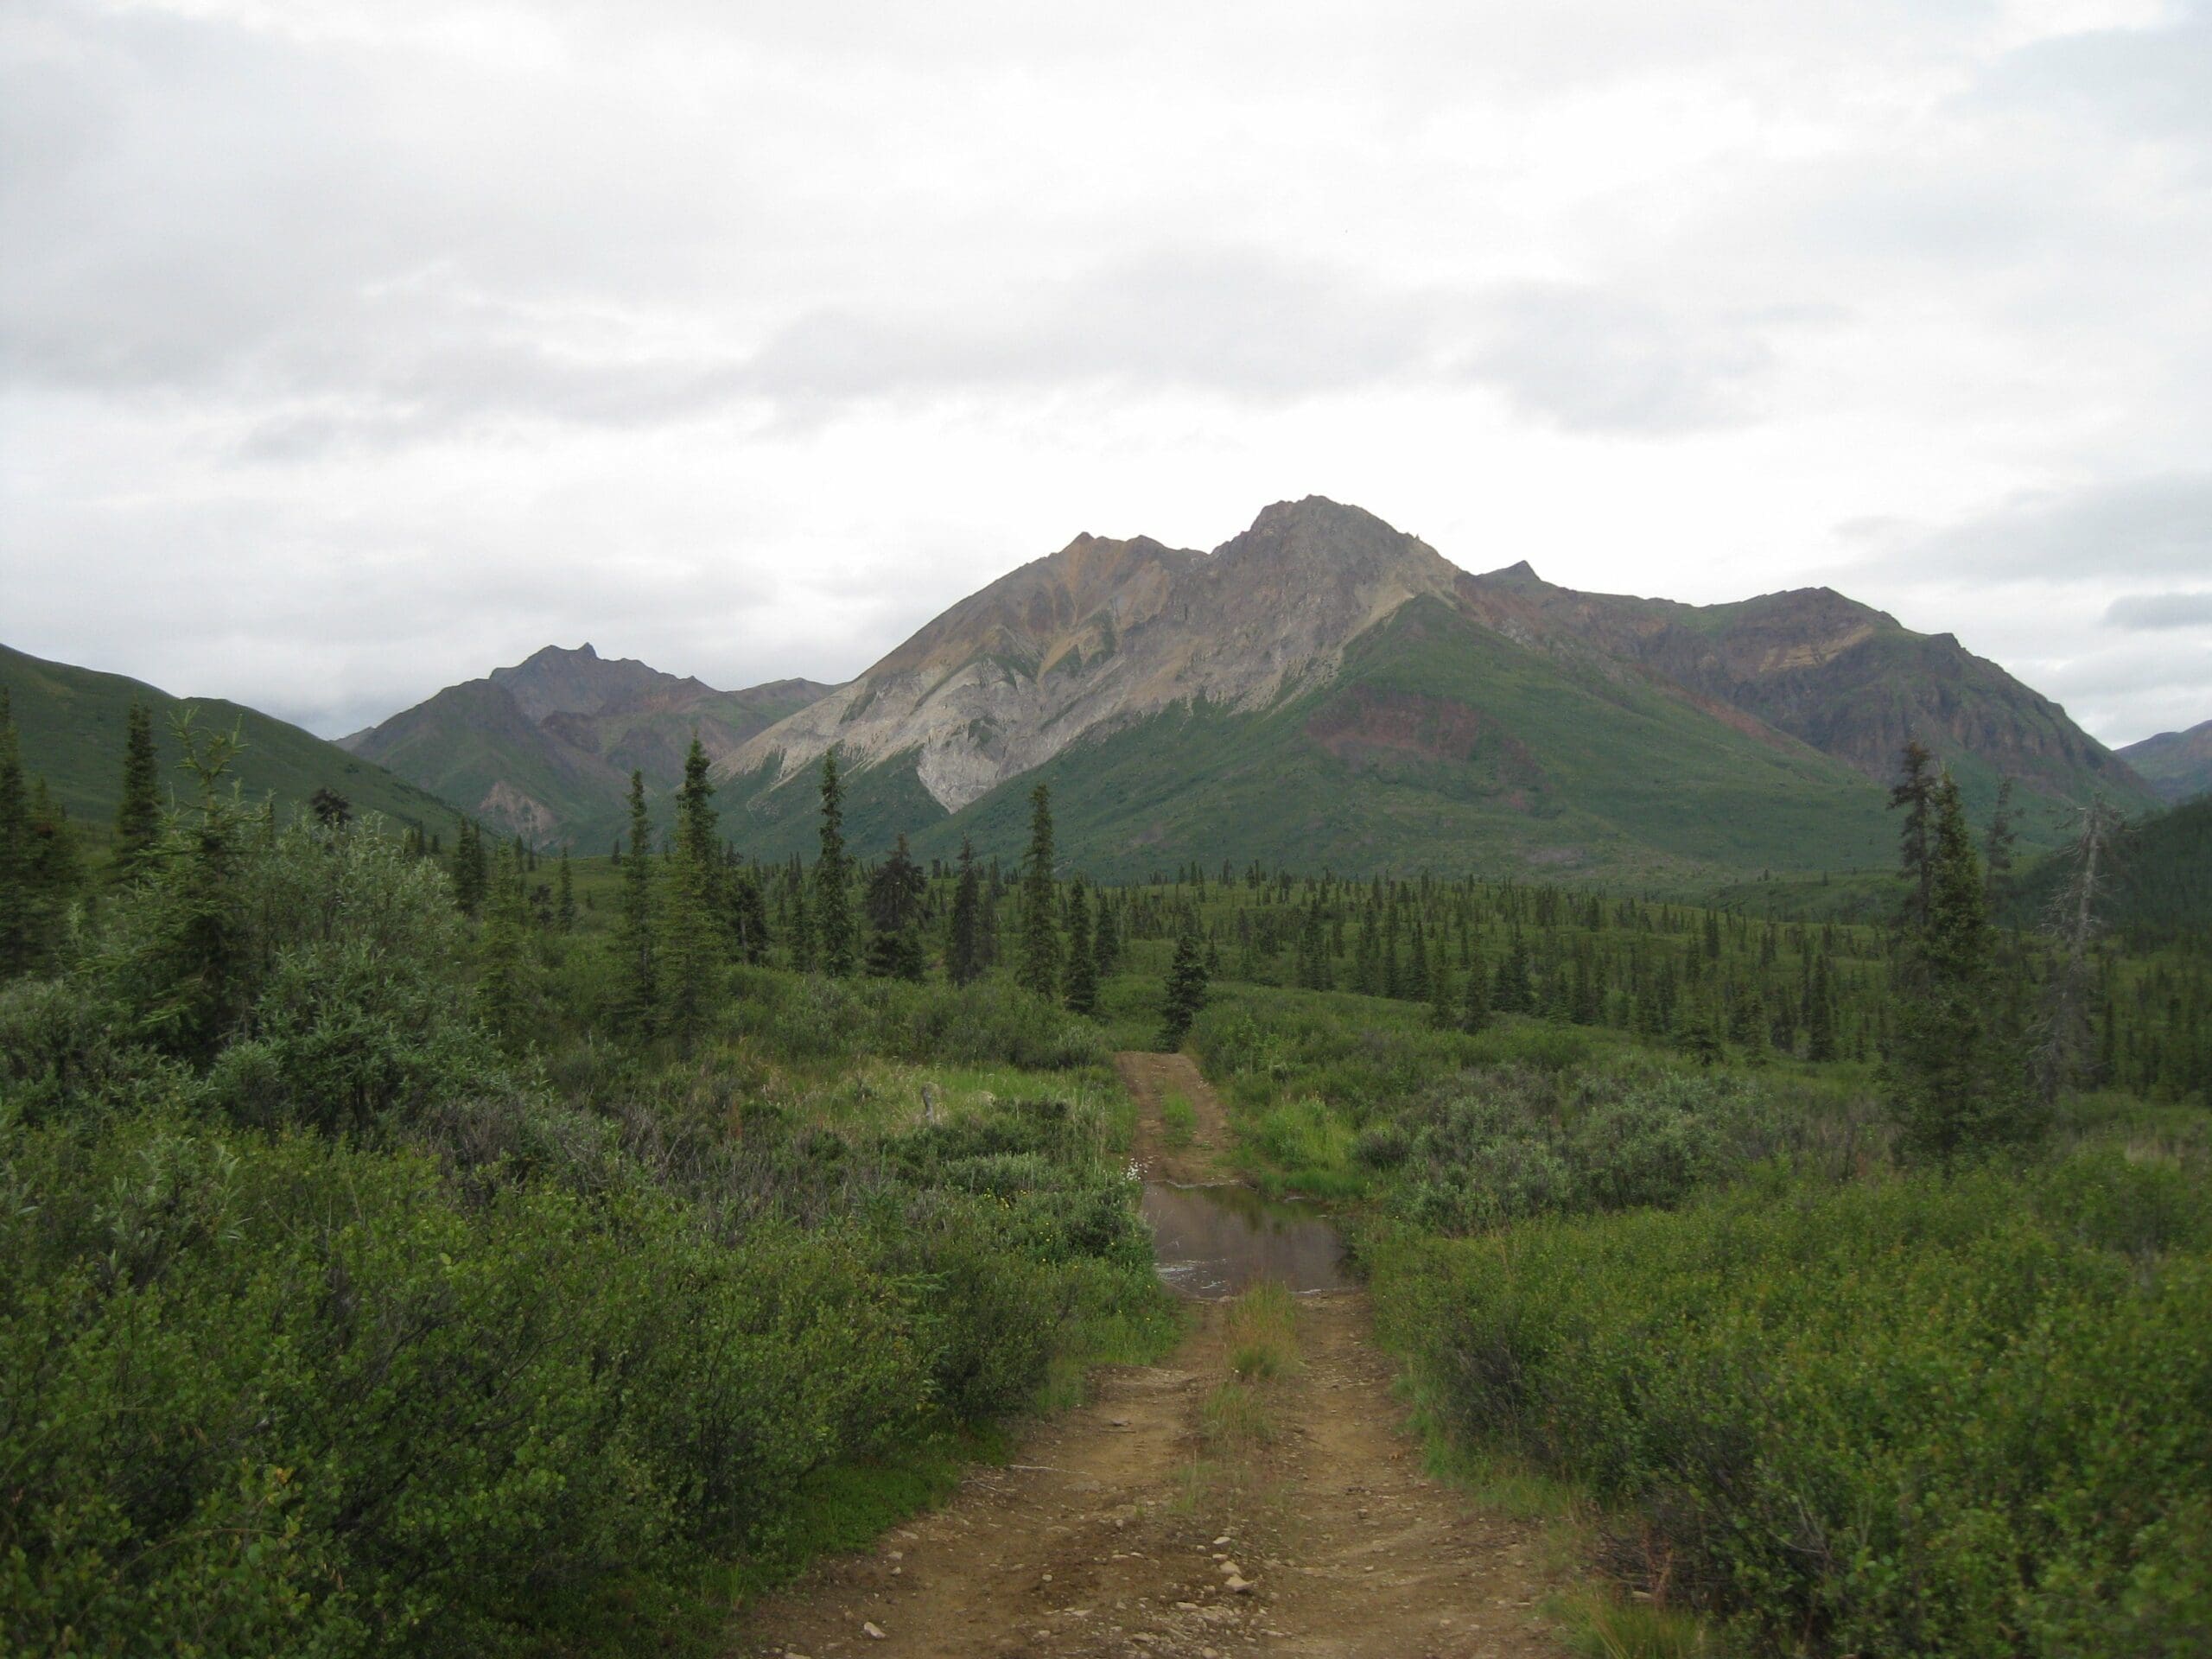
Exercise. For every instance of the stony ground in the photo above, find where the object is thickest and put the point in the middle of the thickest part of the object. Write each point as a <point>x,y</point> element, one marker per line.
<point>1120,1529</point>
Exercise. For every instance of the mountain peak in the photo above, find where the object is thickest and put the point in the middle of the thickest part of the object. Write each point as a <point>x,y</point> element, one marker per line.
<point>556,680</point>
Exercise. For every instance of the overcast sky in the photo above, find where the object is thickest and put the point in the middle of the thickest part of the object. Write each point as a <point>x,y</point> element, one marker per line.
<point>349,349</point>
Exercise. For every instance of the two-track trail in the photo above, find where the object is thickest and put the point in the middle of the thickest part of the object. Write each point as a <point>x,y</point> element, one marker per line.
<point>1113,1530</point>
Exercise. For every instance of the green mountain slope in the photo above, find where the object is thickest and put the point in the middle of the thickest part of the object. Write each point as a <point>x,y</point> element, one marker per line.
<point>1849,680</point>
<point>2178,765</point>
<point>545,749</point>
<point>1439,744</point>
<point>472,744</point>
<point>71,722</point>
<point>882,803</point>
<point>1326,686</point>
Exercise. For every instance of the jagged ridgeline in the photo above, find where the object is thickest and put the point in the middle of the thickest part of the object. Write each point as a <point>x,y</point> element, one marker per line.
<point>1326,689</point>
<point>545,749</point>
<point>71,723</point>
<point>1322,690</point>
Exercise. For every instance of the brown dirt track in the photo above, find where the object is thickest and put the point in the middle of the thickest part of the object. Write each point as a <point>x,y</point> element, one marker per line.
<point>1105,1535</point>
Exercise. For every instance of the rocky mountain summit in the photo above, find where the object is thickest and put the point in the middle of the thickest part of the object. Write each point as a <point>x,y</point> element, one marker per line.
<point>1104,636</point>
<point>1102,633</point>
<point>1322,688</point>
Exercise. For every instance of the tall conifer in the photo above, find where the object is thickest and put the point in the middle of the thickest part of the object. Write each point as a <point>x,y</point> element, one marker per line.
<point>895,889</point>
<point>834,945</point>
<point>694,949</point>
<point>1040,932</point>
<point>1952,1086</point>
<point>18,910</point>
<point>963,954</point>
<point>1187,991</point>
<point>634,927</point>
<point>1915,791</point>
<point>138,814</point>
<point>1083,961</point>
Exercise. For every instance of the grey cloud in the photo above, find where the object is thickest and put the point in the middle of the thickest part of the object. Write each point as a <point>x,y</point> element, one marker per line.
<point>1240,324</point>
<point>1231,323</point>
<point>1587,359</point>
<point>2127,691</point>
<point>662,263</point>
<point>2160,611</point>
<point>2154,81</point>
<point>2131,527</point>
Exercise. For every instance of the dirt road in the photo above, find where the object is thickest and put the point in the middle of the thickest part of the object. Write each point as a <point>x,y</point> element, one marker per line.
<point>1116,1529</point>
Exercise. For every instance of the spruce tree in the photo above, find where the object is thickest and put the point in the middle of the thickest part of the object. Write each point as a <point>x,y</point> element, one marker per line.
<point>1997,844</point>
<point>1474,1005</point>
<point>18,908</point>
<point>471,867</point>
<point>633,934</point>
<point>744,911</point>
<point>564,896</point>
<point>1040,932</point>
<point>1699,1034</point>
<point>1513,993</point>
<point>1105,939</point>
<point>504,983</point>
<point>1441,1013</point>
<point>1820,1015</point>
<point>964,952</point>
<point>188,977</point>
<point>802,930</point>
<point>832,919</point>
<point>1951,1083</point>
<point>1915,791</point>
<point>138,814</point>
<point>38,861</point>
<point>1083,961</point>
<point>39,870</point>
<point>1187,991</point>
<point>694,949</point>
<point>895,888</point>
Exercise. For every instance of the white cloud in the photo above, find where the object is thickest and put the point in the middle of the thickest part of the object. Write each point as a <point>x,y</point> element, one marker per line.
<point>347,348</point>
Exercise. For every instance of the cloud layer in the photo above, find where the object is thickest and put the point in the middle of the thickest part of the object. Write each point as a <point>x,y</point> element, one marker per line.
<point>348,347</point>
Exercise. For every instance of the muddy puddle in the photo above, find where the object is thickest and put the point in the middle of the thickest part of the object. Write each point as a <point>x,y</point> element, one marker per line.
<point>1216,1240</point>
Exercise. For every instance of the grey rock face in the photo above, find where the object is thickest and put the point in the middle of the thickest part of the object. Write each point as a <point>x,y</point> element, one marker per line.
<point>1103,632</point>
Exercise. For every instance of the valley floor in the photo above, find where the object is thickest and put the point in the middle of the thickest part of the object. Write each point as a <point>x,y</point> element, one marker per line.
<point>1118,1526</point>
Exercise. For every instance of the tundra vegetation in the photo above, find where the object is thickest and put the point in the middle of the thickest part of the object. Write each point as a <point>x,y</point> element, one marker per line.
<point>493,1251</point>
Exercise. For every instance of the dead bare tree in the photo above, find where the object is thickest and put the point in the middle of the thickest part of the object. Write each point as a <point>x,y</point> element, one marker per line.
<point>2073,925</point>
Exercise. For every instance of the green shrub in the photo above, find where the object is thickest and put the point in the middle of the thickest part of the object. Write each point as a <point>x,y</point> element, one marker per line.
<point>307,1392</point>
<point>1925,1416</point>
<point>807,1017</point>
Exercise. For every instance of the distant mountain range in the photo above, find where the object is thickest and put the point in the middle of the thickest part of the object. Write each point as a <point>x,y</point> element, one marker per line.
<point>1325,689</point>
<point>2178,765</point>
<point>71,721</point>
<point>545,749</point>
<point>1321,690</point>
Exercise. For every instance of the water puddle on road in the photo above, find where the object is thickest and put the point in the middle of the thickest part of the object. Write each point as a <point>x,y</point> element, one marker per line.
<point>1212,1241</point>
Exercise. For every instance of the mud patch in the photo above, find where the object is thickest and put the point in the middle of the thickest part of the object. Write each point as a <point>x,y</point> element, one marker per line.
<point>1214,1240</point>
